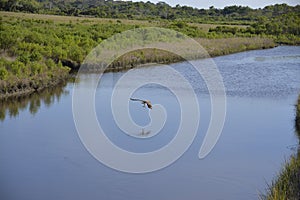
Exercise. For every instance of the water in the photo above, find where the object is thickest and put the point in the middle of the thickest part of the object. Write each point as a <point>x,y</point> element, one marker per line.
<point>42,157</point>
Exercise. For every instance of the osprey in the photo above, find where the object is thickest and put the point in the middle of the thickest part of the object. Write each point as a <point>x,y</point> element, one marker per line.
<point>144,102</point>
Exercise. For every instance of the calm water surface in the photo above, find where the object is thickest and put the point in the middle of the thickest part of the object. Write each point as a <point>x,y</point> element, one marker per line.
<point>42,157</point>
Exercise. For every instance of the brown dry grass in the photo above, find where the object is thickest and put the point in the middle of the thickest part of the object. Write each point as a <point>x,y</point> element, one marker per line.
<point>93,20</point>
<point>73,19</point>
<point>206,27</point>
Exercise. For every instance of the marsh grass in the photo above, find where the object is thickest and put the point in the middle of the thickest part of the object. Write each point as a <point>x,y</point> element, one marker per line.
<point>93,20</point>
<point>212,48</point>
<point>218,47</point>
<point>287,184</point>
<point>74,19</point>
<point>34,47</point>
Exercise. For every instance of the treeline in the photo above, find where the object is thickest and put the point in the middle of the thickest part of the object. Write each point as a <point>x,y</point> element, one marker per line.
<point>280,20</point>
<point>284,29</point>
<point>144,10</point>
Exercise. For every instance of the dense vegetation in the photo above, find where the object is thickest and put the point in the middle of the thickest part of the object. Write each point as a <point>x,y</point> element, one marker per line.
<point>34,52</point>
<point>35,48</point>
<point>148,10</point>
<point>278,20</point>
<point>37,51</point>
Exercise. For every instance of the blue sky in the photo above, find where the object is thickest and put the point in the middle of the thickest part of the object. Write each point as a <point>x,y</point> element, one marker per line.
<point>223,3</point>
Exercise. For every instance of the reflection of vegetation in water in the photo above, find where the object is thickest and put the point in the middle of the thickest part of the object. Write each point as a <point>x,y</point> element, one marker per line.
<point>287,184</point>
<point>11,107</point>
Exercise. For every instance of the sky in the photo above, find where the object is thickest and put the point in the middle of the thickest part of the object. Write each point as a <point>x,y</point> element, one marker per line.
<point>224,3</point>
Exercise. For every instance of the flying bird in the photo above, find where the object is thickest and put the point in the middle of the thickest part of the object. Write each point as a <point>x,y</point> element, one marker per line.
<point>144,102</point>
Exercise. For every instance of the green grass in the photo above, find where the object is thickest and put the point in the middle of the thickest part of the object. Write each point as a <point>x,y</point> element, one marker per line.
<point>213,47</point>
<point>37,50</point>
<point>287,185</point>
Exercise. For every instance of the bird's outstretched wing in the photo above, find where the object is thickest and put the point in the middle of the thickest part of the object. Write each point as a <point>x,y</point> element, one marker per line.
<point>144,102</point>
<point>132,99</point>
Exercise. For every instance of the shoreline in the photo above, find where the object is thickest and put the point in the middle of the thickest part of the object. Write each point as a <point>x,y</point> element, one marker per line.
<point>213,47</point>
<point>24,87</point>
<point>126,62</point>
<point>286,185</point>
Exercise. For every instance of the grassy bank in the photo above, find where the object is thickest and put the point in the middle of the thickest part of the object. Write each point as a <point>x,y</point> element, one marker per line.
<point>213,47</point>
<point>38,51</point>
<point>12,85</point>
<point>287,185</point>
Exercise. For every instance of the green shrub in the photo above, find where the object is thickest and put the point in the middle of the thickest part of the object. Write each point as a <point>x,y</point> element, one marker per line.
<point>24,58</point>
<point>3,73</point>
<point>50,64</point>
<point>36,68</point>
<point>17,67</point>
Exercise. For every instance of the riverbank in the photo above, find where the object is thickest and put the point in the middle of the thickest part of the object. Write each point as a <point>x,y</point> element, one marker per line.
<point>15,86</point>
<point>287,184</point>
<point>213,48</point>
<point>37,51</point>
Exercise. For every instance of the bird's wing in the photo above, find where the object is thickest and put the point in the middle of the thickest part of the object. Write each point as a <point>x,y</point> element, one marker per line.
<point>136,100</point>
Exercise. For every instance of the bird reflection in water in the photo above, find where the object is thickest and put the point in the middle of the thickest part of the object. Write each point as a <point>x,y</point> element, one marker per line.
<point>144,133</point>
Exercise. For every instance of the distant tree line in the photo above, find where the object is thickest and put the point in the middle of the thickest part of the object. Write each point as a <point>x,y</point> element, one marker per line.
<point>271,20</point>
<point>142,10</point>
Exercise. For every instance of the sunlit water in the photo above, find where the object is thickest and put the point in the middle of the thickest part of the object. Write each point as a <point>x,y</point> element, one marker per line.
<point>42,157</point>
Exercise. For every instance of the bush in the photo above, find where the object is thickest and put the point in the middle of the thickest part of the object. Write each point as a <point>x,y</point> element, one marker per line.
<point>17,67</point>
<point>36,68</point>
<point>3,73</point>
<point>50,64</point>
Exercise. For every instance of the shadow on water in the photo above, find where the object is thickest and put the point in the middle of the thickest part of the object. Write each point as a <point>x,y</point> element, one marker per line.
<point>12,106</point>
